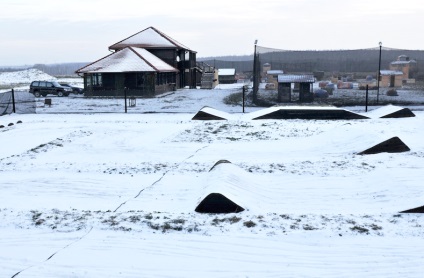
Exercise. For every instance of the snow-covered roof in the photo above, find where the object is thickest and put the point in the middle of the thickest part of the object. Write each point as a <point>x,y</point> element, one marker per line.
<point>129,59</point>
<point>292,78</point>
<point>149,38</point>
<point>403,62</point>
<point>275,72</point>
<point>390,72</point>
<point>226,71</point>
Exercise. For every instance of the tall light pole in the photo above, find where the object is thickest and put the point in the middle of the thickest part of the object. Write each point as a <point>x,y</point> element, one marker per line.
<point>255,78</point>
<point>379,74</point>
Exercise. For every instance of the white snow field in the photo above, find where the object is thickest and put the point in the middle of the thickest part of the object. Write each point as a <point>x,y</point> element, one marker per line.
<point>87,194</point>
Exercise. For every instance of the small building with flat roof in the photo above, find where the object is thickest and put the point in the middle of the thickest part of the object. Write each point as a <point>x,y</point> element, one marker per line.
<point>391,78</point>
<point>305,82</point>
<point>227,76</point>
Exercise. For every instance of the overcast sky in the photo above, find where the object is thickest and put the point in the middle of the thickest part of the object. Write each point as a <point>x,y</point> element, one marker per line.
<point>57,31</point>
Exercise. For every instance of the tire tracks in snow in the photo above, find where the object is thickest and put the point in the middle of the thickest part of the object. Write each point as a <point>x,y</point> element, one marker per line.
<point>52,255</point>
<point>11,161</point>
<point>163,175</point>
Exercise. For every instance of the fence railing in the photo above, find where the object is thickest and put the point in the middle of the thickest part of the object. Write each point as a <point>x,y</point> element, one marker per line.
<point>20,102</point>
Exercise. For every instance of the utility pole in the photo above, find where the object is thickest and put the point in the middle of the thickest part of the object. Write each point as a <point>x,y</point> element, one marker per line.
<point>255,77</point>
<point>379,74</point>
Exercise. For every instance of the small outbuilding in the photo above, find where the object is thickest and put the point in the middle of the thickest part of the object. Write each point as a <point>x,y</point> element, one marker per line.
<point>305,83</point>
<point>407,66</point>
<point>227,76</point>
<point>272,77</point>
<point>391,78</point>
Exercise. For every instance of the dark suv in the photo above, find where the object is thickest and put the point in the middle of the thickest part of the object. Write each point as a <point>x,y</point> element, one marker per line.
<point>43,88</point>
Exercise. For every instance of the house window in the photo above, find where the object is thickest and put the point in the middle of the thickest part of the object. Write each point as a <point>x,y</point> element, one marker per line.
<point>165,78</point>
<point>88,80</point>
<point>97,79</point>
<point>160,79</point>
<point>170,77</point>
<point>139,80</point>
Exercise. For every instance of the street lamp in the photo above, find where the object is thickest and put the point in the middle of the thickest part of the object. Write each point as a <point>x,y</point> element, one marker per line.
<point>255,77</point>
<point>379,74</point>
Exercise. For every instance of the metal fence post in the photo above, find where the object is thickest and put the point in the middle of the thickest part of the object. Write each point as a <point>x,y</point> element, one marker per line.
<point>244,91</point>
<point>366,99</point>
<point>13,101</point>
<point>379,70</point>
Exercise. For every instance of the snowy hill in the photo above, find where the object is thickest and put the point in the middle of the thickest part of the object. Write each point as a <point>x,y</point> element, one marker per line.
<point>24,76</point>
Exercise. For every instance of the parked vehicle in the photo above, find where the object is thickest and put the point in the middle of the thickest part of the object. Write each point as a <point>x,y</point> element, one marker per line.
<point>43,88</point>
<point>75,90</point>
<point>320,93</point>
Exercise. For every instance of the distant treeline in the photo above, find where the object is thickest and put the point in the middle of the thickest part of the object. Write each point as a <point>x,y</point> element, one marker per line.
<point>12,69</point>
<point>65,69</point>
<point>365,60</point>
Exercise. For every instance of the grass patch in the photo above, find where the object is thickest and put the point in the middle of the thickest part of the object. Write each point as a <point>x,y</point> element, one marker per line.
<point>249,224</point>
<point>234,99</point>
<point>360,229</point>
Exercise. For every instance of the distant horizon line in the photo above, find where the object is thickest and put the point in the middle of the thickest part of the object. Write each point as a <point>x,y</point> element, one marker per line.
<point>269,49</point>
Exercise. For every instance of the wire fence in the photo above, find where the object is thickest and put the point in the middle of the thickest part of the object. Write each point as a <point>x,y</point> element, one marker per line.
<point>345,75</point>
<point>20,102</point>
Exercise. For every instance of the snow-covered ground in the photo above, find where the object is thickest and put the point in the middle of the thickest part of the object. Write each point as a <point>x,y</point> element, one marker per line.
<point>90,194</point>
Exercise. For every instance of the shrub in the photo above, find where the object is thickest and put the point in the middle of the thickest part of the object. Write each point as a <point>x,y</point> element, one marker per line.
<point>360,229</point>
<point>249,224</point>
<point>392,93</point>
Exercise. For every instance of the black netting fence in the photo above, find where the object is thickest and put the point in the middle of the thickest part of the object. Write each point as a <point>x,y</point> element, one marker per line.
<point>340,77</point>
<point>20,102</point>
<point>355,60</point>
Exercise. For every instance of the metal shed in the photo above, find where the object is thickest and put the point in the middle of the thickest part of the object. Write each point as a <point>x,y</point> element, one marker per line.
<point>304,82</point>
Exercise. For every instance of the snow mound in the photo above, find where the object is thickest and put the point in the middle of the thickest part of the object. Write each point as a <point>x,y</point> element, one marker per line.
<point>208,113</point>
<point>391,111</point>
<point>228,189</point>
<point>24,76</point>
<point>392,145</point>
<point>305,112</point>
